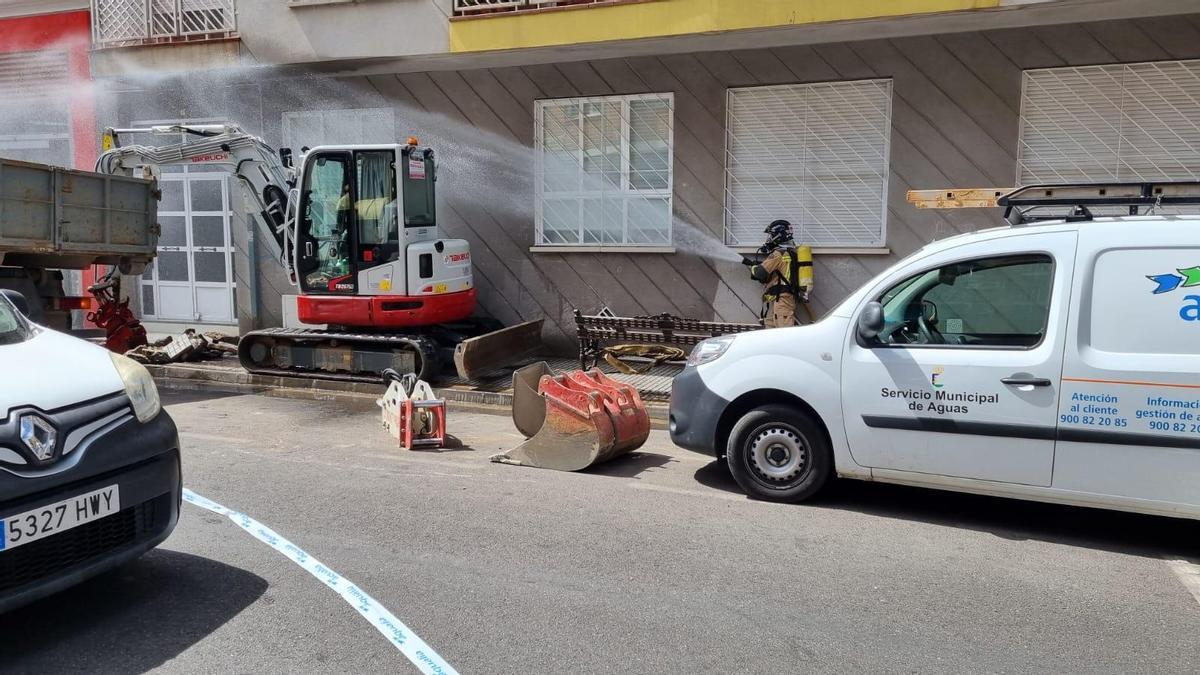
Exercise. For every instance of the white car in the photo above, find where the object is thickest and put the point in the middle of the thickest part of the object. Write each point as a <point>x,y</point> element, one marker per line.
<point>89,462</point>
<point>1058,361</point>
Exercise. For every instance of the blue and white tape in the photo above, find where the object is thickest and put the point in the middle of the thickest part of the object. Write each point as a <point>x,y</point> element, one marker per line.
<point>413,647</point>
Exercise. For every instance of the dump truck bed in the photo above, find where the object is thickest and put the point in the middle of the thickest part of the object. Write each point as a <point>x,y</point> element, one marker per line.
<point>51,217</point>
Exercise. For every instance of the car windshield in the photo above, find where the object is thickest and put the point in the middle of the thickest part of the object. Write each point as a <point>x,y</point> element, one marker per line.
<point>12,327</point>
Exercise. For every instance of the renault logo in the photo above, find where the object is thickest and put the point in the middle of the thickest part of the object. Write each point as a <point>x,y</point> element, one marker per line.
<point>38,435</point>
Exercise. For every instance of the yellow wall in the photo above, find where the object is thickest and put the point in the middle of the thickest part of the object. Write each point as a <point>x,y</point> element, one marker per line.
<point>660,18</point>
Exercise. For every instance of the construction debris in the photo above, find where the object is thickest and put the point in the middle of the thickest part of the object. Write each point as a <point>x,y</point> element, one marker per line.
<point>574,420</point>
<point>653,355</point>
<point>596,331</point>
<point>190,345</point>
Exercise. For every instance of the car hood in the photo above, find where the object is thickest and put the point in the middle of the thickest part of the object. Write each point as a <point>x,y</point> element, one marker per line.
<point>52,370</point>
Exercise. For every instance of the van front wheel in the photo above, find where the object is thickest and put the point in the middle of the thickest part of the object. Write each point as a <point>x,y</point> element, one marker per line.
<point>779,454</point>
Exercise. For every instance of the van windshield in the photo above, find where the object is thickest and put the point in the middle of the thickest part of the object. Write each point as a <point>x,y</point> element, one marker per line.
<point>12,327</point>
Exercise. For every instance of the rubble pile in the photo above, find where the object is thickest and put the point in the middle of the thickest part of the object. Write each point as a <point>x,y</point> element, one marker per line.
<point>190,345</point>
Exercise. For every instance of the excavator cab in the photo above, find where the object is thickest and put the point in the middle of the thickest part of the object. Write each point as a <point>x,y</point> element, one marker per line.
<point>367,250</point>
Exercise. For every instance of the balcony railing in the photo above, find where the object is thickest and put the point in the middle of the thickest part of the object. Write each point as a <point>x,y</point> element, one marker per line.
<point>482,7</point>
<point>120,23</point>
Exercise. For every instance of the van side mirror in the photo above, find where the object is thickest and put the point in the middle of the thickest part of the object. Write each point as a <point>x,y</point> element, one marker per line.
<point>285,157</point>
<point>18,300</point>
<point>870,321</point>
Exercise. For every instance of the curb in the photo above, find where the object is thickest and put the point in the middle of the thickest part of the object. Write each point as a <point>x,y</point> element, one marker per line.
<point>178,377</point>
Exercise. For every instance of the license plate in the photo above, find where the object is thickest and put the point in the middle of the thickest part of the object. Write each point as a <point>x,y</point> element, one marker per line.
<point>51,519</point>
<point>439,288</point>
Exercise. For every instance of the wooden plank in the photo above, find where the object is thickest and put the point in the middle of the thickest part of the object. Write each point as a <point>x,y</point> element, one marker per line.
<point>955,198</point>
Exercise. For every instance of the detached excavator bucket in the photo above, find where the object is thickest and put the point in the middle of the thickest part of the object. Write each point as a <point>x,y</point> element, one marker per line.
<point>482,354</point>
<point>574,420</point>
<point>528,407</point>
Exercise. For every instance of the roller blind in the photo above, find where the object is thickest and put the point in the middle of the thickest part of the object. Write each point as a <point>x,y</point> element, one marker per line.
<point>1125,122</point>
<point>814,154</point>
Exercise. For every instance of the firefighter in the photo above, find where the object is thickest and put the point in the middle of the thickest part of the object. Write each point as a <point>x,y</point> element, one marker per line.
<point>785,273</point>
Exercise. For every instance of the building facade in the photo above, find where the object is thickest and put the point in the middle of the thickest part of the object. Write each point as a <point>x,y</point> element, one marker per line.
<point>619,154</point>
<point>46,96</point>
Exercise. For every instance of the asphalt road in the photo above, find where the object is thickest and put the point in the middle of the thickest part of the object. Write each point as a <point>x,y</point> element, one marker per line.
<point>651,564</point>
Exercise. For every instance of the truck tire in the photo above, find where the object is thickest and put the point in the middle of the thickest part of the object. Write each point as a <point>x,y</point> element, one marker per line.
<point>779,454</point>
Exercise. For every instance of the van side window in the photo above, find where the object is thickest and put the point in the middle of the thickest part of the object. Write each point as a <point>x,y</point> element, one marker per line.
<point>1002,301</point>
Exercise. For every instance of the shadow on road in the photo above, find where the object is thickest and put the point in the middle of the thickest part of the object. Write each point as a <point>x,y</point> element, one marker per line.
<point>630,465</point>
<point>133,619</point>
<point>1015,519</point>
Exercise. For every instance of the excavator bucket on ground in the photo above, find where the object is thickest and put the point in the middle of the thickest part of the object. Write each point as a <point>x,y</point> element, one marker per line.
<point>573,420</point>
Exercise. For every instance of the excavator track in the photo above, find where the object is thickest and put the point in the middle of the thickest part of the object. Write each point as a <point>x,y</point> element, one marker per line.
<point>339,355</point>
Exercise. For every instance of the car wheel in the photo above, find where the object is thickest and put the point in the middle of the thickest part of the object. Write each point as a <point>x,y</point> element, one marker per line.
<point>779,454</point>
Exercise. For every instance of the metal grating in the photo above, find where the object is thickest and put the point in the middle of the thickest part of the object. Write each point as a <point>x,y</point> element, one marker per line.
<point>604,170</point>
<point>814,154</point>
<point>118,23</point>
<point>1126,122</point>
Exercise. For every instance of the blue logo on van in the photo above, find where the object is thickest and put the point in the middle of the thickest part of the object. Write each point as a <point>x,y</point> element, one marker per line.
<point>1186,278</point>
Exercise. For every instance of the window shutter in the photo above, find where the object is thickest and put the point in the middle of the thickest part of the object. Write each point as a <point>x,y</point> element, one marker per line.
<point>814,154</point>
<point>27,76</point>
<point>1125,122</point>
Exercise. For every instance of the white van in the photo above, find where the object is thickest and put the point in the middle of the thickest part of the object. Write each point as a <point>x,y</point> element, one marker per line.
<point>1056,361</point>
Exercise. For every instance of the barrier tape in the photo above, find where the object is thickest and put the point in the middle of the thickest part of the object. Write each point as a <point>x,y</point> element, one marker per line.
<point>414,648</point>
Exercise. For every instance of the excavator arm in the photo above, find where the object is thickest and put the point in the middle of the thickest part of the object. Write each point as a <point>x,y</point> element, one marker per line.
<point>268,177</point>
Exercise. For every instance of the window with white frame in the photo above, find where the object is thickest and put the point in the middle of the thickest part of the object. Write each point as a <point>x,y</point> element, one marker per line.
<point>604,170</point>
<point>1123,122</point>
<point>813,154</point>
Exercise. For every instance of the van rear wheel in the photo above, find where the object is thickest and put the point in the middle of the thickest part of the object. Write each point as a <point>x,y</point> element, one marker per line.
<point>778,453</point>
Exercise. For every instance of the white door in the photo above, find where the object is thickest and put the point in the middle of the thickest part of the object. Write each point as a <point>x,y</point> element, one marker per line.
<point>192,276</point>
<point>964,379</point>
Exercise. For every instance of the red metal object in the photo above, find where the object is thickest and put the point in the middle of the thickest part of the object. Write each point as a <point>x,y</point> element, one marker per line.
<point>122,329</point>
<point>409,437</point>
<point>66,304</point>
<point>631,421</point>
<point>386,311</point>
<point>588,418</point>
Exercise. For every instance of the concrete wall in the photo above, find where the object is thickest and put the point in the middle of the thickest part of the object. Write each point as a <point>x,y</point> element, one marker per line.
<point>955,120</point>
<point>274,32</point>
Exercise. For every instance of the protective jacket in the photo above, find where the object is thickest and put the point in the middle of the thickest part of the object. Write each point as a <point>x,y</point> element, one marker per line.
<point>786,274</point>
